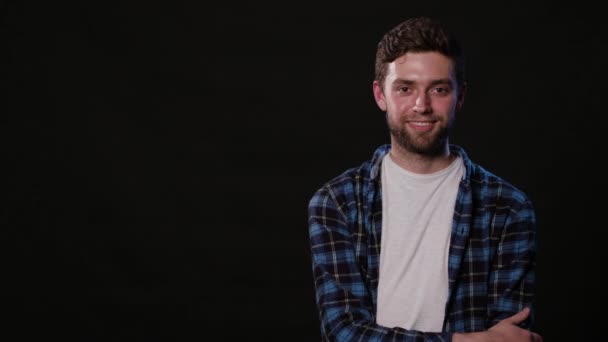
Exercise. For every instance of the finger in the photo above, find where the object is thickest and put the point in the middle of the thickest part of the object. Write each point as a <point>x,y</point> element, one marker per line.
<point>536,337</point>
<point>519,317</point>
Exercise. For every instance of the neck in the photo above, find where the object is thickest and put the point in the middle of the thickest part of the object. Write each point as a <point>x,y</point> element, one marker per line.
<point>421,163</point>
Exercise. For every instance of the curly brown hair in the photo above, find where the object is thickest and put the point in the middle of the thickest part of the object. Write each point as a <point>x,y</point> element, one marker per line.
<point>418,35</point>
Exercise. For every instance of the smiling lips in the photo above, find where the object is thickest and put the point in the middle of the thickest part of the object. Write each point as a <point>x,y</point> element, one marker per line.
<point>421,126</point>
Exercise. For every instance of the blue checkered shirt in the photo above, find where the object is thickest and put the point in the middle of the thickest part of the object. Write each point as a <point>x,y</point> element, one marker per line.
<point>491,256</point>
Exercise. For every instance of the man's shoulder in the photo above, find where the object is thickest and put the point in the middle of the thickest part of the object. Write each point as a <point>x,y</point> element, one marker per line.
<point>488,184</point>
<point>355,179</point>
<point>346,182</point>
<point>485,182</point>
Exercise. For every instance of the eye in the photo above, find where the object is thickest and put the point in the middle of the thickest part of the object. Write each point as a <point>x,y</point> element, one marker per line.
<point>404,89</point>
<point>441,90</point>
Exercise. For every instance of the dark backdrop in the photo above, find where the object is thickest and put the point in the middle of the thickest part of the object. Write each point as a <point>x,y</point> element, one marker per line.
<point>160,157</point>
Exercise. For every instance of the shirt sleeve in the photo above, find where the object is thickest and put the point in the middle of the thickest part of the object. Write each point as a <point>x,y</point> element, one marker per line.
<point>511,286</point>
<point>343,299</point>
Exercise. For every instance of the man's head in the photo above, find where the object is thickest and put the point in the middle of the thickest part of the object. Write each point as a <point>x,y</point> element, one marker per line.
<point>418,35</point>
<point>420,85</point>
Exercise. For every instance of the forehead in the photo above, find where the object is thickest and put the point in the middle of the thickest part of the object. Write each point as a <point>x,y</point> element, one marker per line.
<point>421,66</point>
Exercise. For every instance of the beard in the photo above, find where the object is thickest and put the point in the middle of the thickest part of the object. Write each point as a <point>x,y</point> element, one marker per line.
<point>430,144</point>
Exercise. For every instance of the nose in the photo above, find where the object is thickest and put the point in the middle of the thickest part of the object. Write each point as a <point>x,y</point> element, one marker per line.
<point>422,104</point>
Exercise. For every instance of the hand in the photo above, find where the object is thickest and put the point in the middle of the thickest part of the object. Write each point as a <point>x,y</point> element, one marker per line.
<point>504,331</point>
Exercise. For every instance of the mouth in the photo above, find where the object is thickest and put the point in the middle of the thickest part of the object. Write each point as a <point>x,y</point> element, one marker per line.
<point>421,126</point>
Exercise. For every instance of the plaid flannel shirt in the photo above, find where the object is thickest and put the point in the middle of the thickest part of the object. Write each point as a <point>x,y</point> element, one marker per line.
<point>491,254</point>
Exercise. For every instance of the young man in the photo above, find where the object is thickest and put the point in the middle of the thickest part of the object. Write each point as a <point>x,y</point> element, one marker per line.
<point>420,243</point>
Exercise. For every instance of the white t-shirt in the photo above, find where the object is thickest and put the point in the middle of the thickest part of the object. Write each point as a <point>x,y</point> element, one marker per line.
<point>417,213</point>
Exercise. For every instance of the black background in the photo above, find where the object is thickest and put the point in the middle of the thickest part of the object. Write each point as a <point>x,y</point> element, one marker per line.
<point>161,156</point>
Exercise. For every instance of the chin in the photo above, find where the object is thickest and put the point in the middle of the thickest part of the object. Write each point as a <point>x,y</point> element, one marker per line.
<point>431,148</point>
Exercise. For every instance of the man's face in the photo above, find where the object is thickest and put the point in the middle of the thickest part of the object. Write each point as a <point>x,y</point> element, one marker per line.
<point>420,97</point>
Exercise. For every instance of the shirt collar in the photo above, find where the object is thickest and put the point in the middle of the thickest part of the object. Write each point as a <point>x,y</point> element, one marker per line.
<point>381,151</point>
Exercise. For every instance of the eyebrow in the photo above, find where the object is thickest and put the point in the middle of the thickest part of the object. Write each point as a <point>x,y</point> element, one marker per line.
<point>434,82</point>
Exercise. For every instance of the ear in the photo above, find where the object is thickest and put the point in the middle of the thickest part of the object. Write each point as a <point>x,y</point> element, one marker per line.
<point>379,96</point>
<point>462,91</point>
